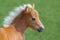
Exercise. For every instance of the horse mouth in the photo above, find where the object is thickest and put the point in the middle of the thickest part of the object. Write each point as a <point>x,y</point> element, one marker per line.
<point>39,30</point>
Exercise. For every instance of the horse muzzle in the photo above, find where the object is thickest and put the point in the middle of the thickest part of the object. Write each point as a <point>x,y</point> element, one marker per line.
<point>40,29</point>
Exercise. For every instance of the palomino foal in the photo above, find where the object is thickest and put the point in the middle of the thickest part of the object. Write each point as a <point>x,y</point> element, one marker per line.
<point>18,21</point>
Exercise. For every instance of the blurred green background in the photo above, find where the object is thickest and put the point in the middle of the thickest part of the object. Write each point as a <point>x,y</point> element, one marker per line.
<point>49,12</point>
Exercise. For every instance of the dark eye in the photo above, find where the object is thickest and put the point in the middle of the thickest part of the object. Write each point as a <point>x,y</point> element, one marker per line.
<point>33,19</point>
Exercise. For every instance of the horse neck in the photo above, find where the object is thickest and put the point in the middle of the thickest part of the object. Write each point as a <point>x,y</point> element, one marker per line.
<point>20,24</point>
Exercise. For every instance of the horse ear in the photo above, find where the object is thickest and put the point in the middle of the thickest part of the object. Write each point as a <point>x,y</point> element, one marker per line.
<point>26,9</point>
<point>33,5</point>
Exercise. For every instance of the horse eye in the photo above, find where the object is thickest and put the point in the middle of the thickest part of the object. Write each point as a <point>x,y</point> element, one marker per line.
<point>33,19</point>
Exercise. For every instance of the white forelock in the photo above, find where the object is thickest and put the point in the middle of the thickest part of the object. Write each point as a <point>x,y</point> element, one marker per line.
<point>8,19</point>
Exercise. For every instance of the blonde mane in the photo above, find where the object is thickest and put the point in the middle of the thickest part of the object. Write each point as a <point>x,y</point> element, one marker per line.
<point>12,15</point>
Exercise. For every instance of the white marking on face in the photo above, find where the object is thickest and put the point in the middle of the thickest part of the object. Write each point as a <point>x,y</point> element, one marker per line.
<point>42,26</point>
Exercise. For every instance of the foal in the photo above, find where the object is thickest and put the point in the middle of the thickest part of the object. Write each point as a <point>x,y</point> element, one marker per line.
<point>18,21</point>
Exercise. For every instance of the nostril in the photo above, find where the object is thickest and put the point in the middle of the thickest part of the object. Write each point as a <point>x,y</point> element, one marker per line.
<point>41,28</point>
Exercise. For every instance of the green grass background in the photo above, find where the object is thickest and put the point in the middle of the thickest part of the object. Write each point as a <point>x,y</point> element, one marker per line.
<point>49,12</point>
